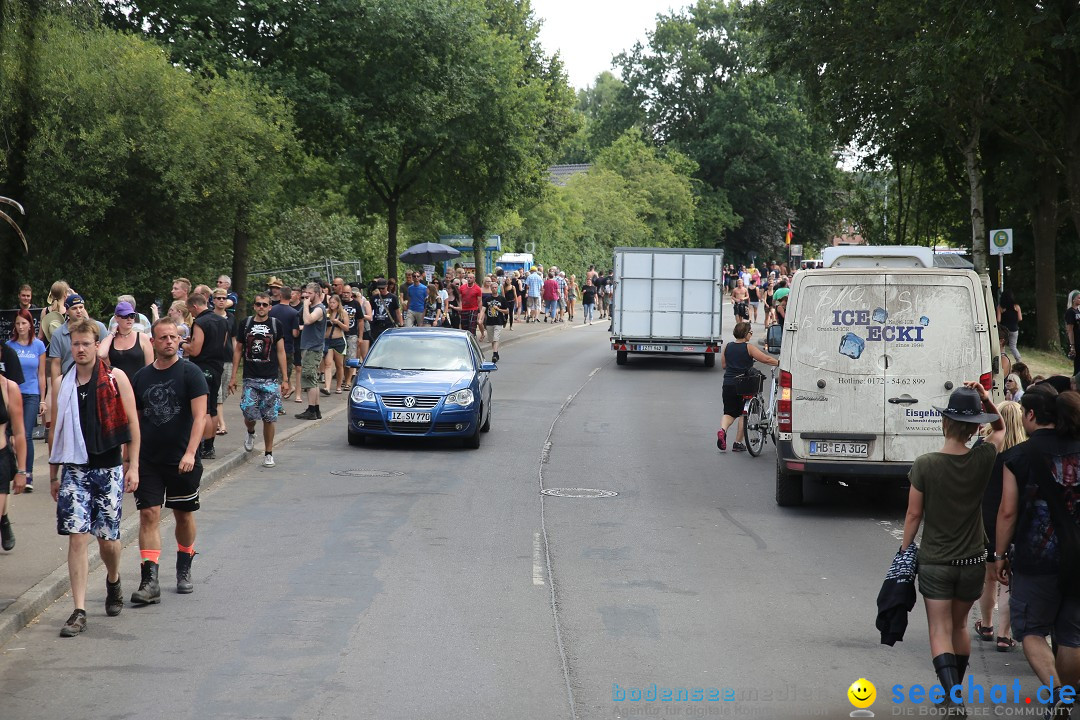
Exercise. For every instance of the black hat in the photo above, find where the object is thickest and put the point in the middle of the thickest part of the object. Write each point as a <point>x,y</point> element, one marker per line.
<point>966,406</point>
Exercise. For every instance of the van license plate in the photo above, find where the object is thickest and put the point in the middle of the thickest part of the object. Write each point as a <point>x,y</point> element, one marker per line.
<point>412,417</point>
<point>649,348</point>
<point>839,449</point>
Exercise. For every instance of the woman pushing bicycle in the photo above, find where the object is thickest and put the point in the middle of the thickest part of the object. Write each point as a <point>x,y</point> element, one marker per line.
<point>737,359</point>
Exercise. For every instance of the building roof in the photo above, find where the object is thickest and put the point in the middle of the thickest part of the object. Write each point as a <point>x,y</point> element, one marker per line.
<point>559,174</point>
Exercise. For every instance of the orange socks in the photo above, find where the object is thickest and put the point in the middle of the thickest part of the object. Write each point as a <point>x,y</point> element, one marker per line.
<point>190,550</point>
<point>151,555</point>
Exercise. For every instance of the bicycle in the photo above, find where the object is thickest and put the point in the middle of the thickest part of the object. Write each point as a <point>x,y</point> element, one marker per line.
<point>757,418</point>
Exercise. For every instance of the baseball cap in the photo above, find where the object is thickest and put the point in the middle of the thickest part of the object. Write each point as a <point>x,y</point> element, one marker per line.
<point>124,308</point>
<point>73,300</point>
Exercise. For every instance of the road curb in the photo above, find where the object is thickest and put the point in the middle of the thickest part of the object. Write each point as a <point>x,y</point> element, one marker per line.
<point>37,599</point>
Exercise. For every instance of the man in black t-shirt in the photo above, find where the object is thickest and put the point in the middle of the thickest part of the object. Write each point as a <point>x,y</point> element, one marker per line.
<point>355,311</point>
<point>171,397</point>
<point>599,283</point>
<point>261,343</point>
<point>206,348</point>
<point>385,310</point>
<point>495,311</point>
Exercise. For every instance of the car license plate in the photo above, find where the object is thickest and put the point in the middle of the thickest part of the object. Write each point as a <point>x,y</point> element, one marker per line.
<point>410,417</point>
<point>649,348</point>
<point>839,449</point>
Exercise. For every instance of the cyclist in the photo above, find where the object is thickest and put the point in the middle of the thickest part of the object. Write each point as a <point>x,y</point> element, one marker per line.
<point>737,359</point>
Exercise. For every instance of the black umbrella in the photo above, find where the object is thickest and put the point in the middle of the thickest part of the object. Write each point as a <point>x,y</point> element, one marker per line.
<point>428,253</point>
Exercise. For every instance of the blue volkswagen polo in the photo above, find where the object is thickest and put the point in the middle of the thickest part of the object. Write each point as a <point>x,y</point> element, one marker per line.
<point>422,382</point>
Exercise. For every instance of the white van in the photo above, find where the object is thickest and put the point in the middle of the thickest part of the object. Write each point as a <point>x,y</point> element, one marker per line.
<point>871,343</point>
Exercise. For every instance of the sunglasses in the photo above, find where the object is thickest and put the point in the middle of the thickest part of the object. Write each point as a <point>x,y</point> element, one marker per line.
<point>132,316</point>
<point>221,297</point>
<point>262,304</point>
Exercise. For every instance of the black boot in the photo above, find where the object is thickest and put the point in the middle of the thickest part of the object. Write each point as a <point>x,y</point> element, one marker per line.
<point>7,535</point>
<point>149,591</point>
<point>312,413</point>
<point>114,598</point>
<point>948,674</point>
<point>183,572</point>
<point>962,666</point>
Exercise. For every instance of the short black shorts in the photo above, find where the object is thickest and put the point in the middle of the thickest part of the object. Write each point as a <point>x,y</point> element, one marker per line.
<point>7,468</point>
<point>733,402</point>
<point>213,385</point>
<point>161,484</point>
<point>296,355</point>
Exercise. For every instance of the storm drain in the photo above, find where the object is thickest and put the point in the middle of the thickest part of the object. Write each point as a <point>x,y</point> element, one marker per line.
<point>578,493</point>
<point>367,473</point>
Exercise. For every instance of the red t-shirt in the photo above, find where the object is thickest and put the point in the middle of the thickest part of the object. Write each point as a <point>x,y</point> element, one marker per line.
<point>551,289</point>
<point>470,297</point>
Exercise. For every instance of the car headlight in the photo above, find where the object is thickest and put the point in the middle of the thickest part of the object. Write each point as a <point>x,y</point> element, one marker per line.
<point>461,397</point>
<point>361,395</point>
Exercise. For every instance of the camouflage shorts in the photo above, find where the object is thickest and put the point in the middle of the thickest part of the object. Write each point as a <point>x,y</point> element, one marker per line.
<point>90,500</point>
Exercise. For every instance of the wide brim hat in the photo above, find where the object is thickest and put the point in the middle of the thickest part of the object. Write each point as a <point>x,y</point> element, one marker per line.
<point>966,406</point>
<point>275,282</point>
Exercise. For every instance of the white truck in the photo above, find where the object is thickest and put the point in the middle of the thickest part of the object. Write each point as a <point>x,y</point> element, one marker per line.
<point>667,300</point>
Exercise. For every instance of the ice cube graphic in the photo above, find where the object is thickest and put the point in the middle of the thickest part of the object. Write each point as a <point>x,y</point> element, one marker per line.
<point>852,345</point>
<point>924,321</point>
<point>880,315</point>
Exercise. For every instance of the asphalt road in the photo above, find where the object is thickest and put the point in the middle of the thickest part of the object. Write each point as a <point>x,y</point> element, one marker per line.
<point>407,581</point>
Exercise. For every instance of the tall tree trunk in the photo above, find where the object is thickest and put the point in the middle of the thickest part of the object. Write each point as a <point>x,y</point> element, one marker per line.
<point>1044,226</point>
<point>391,237</point>
<point>241,250</point>
<point>973,165</point>
<point>479,245</point>
<point>1072,165</point>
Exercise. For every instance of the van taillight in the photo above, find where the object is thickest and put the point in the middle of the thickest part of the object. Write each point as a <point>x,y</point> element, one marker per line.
<point>783,405</point>
<point>987,381</point>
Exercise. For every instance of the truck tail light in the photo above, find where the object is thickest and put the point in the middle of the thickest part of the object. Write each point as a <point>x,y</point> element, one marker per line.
<point>783,405</point>
<point>987,381</point>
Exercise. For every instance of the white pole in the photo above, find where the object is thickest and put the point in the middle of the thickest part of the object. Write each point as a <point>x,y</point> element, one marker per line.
<point>1001,274</point>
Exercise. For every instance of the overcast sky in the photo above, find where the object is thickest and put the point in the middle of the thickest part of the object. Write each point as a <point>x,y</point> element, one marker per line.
<point>588,33</point>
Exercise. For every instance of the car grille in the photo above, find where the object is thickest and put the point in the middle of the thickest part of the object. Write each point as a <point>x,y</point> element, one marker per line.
<point>423,402</point>
<point>408,428</point>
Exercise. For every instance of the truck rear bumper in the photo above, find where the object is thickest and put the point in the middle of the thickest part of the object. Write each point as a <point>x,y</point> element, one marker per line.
<point>693,347</point>
<point>847,469</point>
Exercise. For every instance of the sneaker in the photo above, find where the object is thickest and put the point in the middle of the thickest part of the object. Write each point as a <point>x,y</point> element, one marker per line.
<point>268,460</point>
<point>114,598</point>
<point>74,625</point>
<point>7,535</point>
<point>494,357</point>
<point>738,447</point>
<point>1061,709</point>
<point>249,442</point>
<point>208,453</point>
<point>721,439</point>
<point>29,485</point>
<point>309,414</point>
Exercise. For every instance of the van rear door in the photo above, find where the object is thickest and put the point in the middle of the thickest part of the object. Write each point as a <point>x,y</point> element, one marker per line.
<point>933,340</point>
<point>838,377</point>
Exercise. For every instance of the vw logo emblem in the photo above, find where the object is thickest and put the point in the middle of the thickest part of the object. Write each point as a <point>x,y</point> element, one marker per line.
<point>410,401</point>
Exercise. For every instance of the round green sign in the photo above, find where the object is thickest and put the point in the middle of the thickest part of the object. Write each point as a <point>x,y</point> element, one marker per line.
<point>1001,238</point>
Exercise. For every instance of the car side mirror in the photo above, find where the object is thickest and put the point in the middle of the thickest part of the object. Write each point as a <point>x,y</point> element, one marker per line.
<point>488,367</point>
<point>773,337</point>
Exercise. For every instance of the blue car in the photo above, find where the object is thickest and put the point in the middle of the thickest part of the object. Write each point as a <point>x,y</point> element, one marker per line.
<point>422,382</point>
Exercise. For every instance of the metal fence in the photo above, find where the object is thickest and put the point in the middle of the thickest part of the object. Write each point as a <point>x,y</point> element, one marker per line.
<point>327,270</point>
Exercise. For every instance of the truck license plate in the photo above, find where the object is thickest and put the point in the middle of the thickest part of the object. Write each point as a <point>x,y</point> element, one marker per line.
<point>410,417</point>
<point>839,449</point>
<point>649,348</point>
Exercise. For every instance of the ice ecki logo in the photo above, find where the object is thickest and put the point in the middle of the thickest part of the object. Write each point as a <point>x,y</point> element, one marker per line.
<point>852,345</point>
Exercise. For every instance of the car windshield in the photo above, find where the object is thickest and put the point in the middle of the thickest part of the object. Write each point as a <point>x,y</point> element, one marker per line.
<point>417,352</point>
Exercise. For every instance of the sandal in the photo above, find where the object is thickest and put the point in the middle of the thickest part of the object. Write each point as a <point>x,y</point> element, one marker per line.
<point>222,432</point>
<point>984,632</point>
<point>1005,644</point>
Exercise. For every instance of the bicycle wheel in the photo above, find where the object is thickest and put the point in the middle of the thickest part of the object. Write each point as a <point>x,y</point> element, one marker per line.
<point>754,421</point>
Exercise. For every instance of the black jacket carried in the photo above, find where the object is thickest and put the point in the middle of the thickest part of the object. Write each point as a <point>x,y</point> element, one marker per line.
<point>897,596</point>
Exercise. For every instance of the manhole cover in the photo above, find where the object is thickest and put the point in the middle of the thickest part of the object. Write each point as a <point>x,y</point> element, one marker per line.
<point>578,493</point>
<point>367,473</point>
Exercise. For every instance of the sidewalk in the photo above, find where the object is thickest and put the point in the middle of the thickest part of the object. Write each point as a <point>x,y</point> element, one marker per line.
<point>34,574</point>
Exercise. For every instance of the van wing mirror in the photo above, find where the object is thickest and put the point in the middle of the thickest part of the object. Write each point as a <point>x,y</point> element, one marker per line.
<point>773,337</point>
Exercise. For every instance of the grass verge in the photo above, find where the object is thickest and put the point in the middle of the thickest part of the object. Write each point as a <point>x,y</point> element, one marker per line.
<point>1045,363</point>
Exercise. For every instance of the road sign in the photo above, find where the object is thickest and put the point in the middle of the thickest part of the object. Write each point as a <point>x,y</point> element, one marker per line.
<point>794,250</point>
<point>1001,242</point>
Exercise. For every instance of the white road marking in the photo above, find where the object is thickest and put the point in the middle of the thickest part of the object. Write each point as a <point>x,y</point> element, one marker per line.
<point>538,561</point>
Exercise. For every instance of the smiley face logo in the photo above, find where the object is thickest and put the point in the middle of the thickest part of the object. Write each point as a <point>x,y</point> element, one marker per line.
<point>862,693</point>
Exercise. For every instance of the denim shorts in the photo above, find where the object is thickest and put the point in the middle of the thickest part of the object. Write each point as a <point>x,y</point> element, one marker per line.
<point>90,500</point>
<point>1037,607</point>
